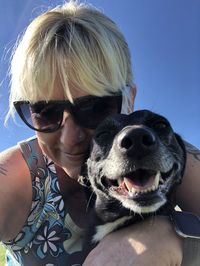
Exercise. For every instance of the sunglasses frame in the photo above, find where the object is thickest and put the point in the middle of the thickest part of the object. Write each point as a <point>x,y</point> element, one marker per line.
<point>70,107</point>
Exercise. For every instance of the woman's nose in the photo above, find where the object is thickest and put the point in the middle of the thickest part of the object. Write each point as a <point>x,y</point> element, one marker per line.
<point>71,133</point>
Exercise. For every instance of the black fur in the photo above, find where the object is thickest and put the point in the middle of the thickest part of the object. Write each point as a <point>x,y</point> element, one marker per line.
<point>134,147</point>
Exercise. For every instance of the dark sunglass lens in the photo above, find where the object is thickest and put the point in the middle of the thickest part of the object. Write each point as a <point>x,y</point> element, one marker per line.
<point>105,106</point>
<point>93,110</point>
<point>25,114</point>
<point>46,116</point>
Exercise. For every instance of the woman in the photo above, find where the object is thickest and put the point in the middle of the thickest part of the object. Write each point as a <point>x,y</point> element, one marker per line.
<point>70,70</point>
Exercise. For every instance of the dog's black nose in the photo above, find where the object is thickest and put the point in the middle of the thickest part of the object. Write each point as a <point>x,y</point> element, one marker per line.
<point>137,141</point>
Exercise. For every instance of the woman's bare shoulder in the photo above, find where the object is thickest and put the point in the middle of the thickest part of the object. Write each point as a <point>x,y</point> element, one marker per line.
<point>15,192</point>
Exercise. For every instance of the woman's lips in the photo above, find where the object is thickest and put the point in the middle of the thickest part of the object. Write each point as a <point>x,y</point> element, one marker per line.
<point>75,156</point>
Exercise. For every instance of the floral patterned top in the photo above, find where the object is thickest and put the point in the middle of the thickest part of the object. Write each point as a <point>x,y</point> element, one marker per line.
<point>49,237</point>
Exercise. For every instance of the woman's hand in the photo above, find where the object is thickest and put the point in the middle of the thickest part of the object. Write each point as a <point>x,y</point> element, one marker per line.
<point>152,242</point>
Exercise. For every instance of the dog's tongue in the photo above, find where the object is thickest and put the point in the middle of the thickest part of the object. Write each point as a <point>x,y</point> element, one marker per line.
<point>140,181</point>
<point>138,185</point>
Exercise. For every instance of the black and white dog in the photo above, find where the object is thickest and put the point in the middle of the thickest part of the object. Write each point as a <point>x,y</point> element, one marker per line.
<point>135,163</point>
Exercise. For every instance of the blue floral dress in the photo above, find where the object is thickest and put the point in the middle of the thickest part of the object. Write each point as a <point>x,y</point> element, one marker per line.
<point>49,236</point>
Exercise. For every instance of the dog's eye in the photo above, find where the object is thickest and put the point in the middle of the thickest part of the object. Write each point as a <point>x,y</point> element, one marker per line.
<point>159,125</point>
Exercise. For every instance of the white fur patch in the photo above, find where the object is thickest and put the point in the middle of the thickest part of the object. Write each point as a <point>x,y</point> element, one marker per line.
<point>133,206</point>
<point>103,230</point>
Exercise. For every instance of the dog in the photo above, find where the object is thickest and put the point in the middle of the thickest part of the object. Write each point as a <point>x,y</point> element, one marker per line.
<point>135,163</point>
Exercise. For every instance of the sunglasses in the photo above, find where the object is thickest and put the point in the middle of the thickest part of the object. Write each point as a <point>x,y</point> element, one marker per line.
<point>87,112</point>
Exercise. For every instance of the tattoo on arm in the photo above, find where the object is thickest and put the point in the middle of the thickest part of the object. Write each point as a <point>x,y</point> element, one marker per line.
<point>192,150</point>
<point>3,171</point>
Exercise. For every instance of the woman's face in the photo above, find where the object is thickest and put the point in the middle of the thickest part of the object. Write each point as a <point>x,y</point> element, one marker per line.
<point>68,145</point>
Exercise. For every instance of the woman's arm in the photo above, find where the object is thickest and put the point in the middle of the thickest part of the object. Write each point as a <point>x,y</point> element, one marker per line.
<point>15,193</point>
<point>152,242</point>
<point>188,193</point>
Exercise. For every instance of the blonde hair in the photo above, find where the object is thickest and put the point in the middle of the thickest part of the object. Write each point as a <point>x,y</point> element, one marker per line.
<point>76,43</point>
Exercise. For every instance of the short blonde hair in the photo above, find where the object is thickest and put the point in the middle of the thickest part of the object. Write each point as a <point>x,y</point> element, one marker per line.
<point>75,42</point>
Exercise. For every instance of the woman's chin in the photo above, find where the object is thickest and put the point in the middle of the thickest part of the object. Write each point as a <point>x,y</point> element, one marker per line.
<point>72,172</point>
<point>71,167</point>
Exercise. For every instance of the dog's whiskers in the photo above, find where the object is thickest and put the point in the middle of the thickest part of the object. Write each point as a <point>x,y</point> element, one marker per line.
<point>89,200</point>
<point>142,217</point>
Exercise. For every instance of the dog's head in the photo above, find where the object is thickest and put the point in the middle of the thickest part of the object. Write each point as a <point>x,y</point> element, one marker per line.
<point>136,160</point>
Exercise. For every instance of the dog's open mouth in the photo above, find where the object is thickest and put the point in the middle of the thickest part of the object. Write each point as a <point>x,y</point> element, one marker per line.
<point>139,182</point>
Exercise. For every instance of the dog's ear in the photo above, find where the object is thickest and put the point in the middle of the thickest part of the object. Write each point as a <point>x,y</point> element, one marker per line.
<point>180,141</point>
<point>182,146</point>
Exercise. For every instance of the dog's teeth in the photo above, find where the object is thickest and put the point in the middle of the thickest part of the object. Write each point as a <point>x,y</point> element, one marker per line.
<point>150,189</point>
<point>119,181</point>
<point>157,178</point>
<point>154,188</point>
<point>133,190</point>
<point>161,180</point>
<point>129,186</point>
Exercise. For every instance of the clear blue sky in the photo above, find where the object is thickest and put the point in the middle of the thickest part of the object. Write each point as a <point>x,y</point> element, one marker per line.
<point>164,39</point>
